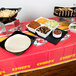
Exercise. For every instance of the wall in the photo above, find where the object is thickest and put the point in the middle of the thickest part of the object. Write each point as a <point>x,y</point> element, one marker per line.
<point>31,9</point>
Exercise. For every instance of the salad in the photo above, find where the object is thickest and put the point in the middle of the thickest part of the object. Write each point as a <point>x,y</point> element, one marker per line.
<point>51,23</point>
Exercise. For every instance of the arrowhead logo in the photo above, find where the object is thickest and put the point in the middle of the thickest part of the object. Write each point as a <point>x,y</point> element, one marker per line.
<point>65,37</point>
<point>39,42</point>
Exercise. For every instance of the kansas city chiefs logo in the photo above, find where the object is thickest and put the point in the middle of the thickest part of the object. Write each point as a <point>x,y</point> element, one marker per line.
<point>65,37</point>
<point>39,42</point>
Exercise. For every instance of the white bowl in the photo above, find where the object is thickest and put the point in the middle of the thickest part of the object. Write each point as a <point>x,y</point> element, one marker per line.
<point>56,36</point>
<point>72,30</point>
<point>42,34</point>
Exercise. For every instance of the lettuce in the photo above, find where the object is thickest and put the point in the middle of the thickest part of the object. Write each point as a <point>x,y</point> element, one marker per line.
<point>51,23</point>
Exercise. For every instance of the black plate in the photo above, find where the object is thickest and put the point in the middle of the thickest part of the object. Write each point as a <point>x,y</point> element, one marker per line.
<point>51,39</point>
<point>18,32</point>
<point>8,19</point>
<point>73,15</point>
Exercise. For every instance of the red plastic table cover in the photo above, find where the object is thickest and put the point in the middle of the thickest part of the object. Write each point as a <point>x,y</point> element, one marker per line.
<point>40,55</point>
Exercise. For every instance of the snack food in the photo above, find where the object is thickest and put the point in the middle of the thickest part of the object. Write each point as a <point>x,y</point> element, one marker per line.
<point>73,27</point>
<point>43,29</point>
<point>51,23</point>
<point>42,20</point>
<point>34,24</point>
<point>57,33</point>
<point>65,12</point>
<point>17,43</point>
<point>7,13</point>
<point>64,25</point>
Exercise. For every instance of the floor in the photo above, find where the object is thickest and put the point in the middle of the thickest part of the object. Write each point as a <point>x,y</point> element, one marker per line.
<point>67,69</point>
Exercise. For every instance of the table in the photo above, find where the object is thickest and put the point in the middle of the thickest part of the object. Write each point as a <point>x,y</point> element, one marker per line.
<point>41,54</point>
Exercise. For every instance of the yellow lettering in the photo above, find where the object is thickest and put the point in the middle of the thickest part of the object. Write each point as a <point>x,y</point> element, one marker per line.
<point>0,73</point>
<point>13,69</point>
<point>3,71</point>
<point>73,55</point>
<point>46,62</point>
<point>66,57</point>
<point>19,68</point>
<point>28,66</point>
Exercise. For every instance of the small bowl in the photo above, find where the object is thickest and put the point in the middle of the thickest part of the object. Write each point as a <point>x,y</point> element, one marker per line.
<point>72,30</point>
<point>56,35</point>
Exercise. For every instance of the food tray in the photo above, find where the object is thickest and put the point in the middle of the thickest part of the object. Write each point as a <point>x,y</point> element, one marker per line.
<point>65,13</point>
<point>34,30</point>
<point>8,19</point>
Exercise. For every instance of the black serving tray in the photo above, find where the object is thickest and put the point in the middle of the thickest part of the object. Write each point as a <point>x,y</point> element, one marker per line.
<point>73,15</point>
<point>18,32</point>
<point>8,19</point>
<point>50,38</point>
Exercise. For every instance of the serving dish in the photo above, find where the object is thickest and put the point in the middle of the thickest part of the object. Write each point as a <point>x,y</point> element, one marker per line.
<point>57,33</point>
<point>72,27</point>
<point>65,11</point>
<point>43,32</point>
<point>9,19</point>
<point>42,21</point>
